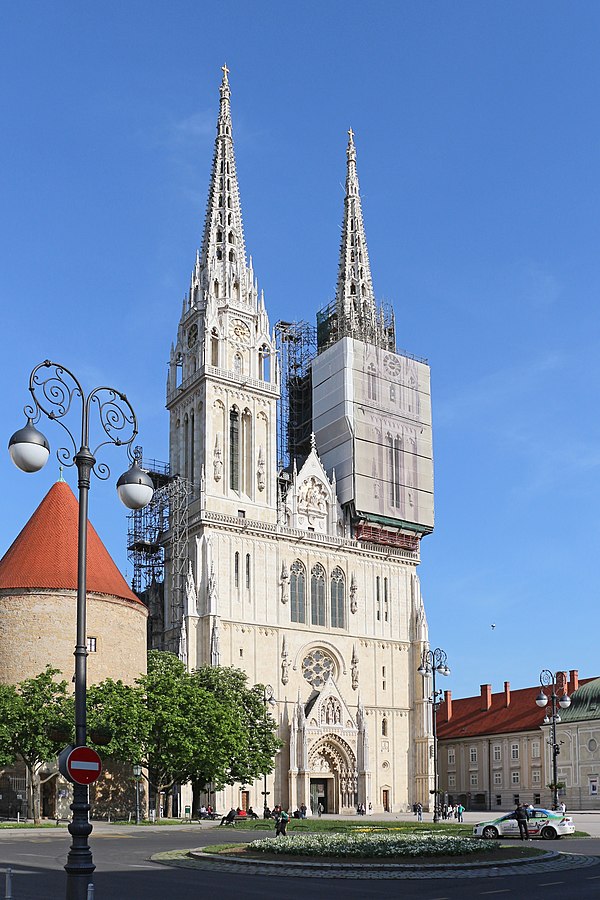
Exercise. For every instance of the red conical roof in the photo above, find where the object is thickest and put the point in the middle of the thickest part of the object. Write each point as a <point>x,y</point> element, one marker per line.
<point>44,555</point>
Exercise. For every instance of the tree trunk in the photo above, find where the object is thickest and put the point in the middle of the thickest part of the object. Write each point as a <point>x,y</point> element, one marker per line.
<point>34,781</point>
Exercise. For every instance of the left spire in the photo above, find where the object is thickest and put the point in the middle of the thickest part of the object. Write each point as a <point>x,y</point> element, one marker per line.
<point>222,262</point>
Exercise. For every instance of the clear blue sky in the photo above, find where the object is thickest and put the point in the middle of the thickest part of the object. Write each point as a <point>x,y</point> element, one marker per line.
<point>478,137</point>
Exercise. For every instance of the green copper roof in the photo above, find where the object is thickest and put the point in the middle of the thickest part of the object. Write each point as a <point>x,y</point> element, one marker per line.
<point>585,703</point>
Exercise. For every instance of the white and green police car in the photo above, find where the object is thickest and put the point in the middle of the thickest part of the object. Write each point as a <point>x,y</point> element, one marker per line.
<point>541,823</point>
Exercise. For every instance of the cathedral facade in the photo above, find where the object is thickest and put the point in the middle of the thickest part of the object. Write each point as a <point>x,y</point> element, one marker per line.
<point>304,575</point>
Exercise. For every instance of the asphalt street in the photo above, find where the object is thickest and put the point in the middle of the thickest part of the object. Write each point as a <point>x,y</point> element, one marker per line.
<point>124,871</point>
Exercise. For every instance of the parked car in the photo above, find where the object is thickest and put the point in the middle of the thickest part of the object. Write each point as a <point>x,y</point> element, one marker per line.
<point>542,823</point>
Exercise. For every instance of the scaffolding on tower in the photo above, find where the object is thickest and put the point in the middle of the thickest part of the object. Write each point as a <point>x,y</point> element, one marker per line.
<point>162,523</point>
<point>297,345</point>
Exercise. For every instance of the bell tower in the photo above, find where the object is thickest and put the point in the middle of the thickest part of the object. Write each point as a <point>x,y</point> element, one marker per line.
<point>223,381</point>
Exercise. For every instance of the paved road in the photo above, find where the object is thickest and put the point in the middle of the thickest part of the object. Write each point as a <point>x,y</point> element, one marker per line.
<point>125,872</point>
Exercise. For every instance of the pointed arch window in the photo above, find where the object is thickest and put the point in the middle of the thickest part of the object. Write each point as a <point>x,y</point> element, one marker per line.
<point>264,363</point>
<point>384,728</point>
<point>298,592</point>
<point>394,450</point>
<point>236,569</point>
<point>248,571</point>
<point>234,450</point>
<point>372,382</point>
<point>231,256</point>
<point>317,595</point>
<point>214,340</point>
<point>237,364</point>
<point>338,599</point>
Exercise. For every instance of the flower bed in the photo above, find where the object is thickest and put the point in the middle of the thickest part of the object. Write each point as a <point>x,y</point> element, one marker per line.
<point>369,845</point>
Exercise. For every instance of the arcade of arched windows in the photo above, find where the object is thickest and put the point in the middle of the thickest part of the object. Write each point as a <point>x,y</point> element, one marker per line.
<point>327,607</point>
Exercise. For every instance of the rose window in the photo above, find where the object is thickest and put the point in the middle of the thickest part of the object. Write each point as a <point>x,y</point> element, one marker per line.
<point>317,667</point>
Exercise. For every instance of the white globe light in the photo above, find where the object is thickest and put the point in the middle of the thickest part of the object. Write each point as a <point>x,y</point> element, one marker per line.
<point>29,449</point>
<point>135,488</point>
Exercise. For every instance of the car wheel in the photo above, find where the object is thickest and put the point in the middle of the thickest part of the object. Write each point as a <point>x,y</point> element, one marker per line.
<point>489,833</point>
<point>549,833</point>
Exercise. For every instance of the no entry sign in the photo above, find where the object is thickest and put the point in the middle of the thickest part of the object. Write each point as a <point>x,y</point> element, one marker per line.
<point>83,765</point>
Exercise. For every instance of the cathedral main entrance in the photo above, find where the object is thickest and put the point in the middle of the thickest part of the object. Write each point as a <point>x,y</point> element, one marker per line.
<point>319,794</point>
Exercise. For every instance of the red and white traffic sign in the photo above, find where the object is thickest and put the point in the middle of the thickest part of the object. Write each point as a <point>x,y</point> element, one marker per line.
<point>84,765</point>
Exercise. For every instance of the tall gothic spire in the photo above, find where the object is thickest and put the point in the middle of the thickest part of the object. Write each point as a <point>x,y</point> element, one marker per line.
<point>355,305</point>
<point>221,266</point>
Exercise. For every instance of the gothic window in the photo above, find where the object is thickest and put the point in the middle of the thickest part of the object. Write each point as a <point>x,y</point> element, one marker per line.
<point>236,569</point>
<point>352,288</point>
<point>214,343</point>
<point>231,241</point>
<point>229,219</point>
<point>372,382</point>
<point>219,253</point>
<point>378,597</point>
<point>237,364</point>
<point>338,600</point>
<point>229,202</point>
<point>219,236</point>
<point>298,592</point>
<point>384,728</point>
<point>386,610</point>
<point>317,666</point>
<point>234,450</point>
<point>264,363</point>
<point>248,570</point>
<point>392,393</point>
<point>231,256</point>
<point>192,449</point>
<point>394,450</point>
<point>317,595</point>
<point>220,199</point>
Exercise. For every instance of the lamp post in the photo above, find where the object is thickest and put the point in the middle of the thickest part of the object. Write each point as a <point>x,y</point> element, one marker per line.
<point>137,774</point>
<point>268,700</point>
<point>434,661</point>
<point>55,390</point>
<point>558,682</point>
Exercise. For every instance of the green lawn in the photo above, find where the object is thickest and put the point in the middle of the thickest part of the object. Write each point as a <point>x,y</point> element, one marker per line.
<point>315,825</point>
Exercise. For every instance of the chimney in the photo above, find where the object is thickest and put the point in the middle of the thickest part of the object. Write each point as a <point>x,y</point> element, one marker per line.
<point>507,694</point>
<point>448,702</point>
<point>486,697</point>
<point>573,681</point>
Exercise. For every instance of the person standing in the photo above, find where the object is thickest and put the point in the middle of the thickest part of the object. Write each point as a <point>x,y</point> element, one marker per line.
<point>320,809</point>
<point>459,812</point>
<point>522,815</point>
<point>419,812</point>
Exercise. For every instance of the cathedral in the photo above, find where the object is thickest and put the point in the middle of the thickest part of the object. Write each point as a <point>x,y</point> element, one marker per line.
<point>307,494</point>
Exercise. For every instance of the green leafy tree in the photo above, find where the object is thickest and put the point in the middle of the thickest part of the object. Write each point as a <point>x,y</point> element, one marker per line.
<point>28,713</point>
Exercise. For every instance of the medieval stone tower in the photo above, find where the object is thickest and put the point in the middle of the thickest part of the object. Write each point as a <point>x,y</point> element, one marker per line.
<point>306,579</point>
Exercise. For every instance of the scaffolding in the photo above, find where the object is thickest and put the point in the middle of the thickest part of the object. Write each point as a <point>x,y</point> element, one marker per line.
<point>162,524</point>
<point>377,328</point>
<point>297,346</point>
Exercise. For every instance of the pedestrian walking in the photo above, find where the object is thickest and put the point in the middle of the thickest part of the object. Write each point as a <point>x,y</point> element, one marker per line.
<point>459,812</point>
<point>419,812</point>
<point>522,815</point>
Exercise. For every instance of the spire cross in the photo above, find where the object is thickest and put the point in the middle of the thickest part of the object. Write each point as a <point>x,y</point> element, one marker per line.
<point>351,135</point>
<point>225,72</point>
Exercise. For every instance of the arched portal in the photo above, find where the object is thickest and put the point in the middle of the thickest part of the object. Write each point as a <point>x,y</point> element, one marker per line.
<point>333,775</point>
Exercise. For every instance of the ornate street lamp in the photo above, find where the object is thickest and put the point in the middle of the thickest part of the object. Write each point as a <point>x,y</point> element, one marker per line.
<point>434,661</point>
<point>137,774</point>
<point>558,682</point>
<point>268,700</point>
<point>55,390</point>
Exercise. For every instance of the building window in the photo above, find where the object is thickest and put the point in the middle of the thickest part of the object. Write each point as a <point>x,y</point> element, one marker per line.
<point>317,595</point>
<point>593,785</point>
<point>474,779</point>
<point>516,800</point>
<point>384,728</point>
<point>338,601</point>
<point>515,777</point>
<point>537,799</point>
<point>473,754</point>
<point>535,749</point>
<point>237,364</point>
<point>298,592</point>
<point>234,450</point>
<point>378,597</point>
<point>236,570</point>
<point>498,778</point>
<point>536,776</point>
<point>214,339</point>
<point>497,752</point>
<point>514,751</point>
<point>91,645</point>
<point>247,570</point>
<point>383,678</point>
<point>451,780</point>
<point>317,667</point>
<point>394,454</point>
<point>451,756</point>
<point>372,382</point>
<point>498,799</point>
<point>592,745</point>
<point>385,600</point>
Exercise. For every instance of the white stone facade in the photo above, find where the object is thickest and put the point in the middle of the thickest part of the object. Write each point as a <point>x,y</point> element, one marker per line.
<point>279,586</point>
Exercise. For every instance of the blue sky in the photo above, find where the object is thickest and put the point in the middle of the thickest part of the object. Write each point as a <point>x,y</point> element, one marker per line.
<point>478,144</point>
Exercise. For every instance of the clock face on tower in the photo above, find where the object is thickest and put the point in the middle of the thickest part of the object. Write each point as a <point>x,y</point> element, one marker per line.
<point>192,336</point>
<point>240,331</point>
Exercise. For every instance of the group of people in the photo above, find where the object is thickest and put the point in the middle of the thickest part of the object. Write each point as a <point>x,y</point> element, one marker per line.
<point>448,811</point>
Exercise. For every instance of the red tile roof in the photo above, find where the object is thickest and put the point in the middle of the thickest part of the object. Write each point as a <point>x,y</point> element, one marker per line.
<point>470,720</point>
<point>44,554</point>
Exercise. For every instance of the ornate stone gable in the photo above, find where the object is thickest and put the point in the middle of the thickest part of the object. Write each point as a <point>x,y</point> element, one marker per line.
<point>311,502</point>
<point>328,710</point>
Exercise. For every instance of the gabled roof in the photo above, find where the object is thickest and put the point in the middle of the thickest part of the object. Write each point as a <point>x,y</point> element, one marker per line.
<point>509,711</point>
<point>44,554</point>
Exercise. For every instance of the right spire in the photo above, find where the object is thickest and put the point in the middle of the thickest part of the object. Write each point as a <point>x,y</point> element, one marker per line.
<point>356,309</point>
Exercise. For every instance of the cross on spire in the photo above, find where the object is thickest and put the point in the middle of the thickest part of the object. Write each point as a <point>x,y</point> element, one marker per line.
<point>225,72</point>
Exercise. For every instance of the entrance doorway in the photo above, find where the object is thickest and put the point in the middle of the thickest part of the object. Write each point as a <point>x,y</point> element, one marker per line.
<point>245,800</point>
<point>318,794</point>
<point>386,800</point>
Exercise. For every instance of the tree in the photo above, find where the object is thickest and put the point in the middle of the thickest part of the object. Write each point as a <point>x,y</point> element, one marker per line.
<point>28,712</point>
